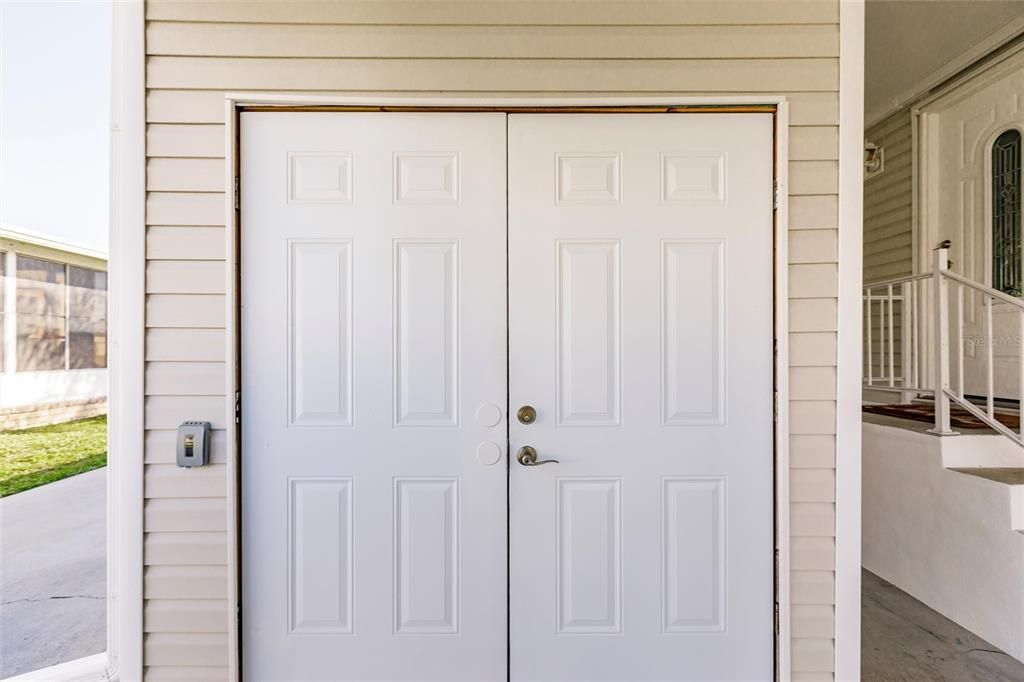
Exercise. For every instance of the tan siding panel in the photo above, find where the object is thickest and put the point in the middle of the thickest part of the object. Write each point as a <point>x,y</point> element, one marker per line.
<point>814,246</point>
<point>185,175</point>
<point>812,451</point>
<point>814,212</point>
<point>804,676</point>
<point>809,620</point>
<point>186,378</point>
<point>812,519</point>
<point>813,144</point>
<point>186,140</point>
<point>813,177</point>
<point>185,243</point>
<point>182,208</point>
<point>566,75</point>
<point>529,42</point>
<point>812,587</point>
<point>812,554</point>
<point>813,280</point>
<point>812,383</point>
<point>185,514</point>
<point>180,551</point>
<point>812,349</point>
<point>185,310</point>
<point>812,485</point>
<point>185,615</point>
<point>814,417</point>
<point>187,674</point>
<point>185,345</point>
<point>185,277</point>
<point>813,315</point>
<point>550,12</point>
<point>182,649</point>
<point>186,582</point>
<point>168,411</point>
<point>169,480</point>
<point>813,655</point>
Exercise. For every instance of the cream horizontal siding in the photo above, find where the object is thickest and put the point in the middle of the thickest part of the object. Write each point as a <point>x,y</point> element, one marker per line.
<point>504,13</point>
<point>197,51</point>
<point>888,196</point>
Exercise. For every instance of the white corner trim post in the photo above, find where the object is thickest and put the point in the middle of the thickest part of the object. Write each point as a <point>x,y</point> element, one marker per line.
<point>848,379</point>
<point>126,317</point>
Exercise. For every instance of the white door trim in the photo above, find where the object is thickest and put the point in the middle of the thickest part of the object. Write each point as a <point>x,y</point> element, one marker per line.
<point>235,101</point>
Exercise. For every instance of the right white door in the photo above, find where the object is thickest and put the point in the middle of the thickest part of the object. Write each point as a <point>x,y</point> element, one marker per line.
<point>641,332</point>
<point>968,123</point>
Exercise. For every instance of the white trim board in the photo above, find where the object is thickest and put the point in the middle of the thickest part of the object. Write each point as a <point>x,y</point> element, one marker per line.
<point>848,362</point>
<point>235,101</point>
<point>127,317</point>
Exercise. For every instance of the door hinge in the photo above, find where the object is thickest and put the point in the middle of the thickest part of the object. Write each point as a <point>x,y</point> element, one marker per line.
<point>775,406</point>
<point>237,192</point>
<point>776,618</point>
<point>238,407</point>
<point>775,194</point>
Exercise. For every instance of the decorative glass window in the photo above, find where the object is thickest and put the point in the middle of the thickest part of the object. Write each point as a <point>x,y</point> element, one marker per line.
<point>41,314</point>
<point>1006,211</point>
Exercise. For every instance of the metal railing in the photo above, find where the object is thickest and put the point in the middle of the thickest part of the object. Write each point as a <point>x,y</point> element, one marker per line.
<point>917,362</point>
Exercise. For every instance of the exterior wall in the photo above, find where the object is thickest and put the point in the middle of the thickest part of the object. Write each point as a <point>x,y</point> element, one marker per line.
<point>888,201</point>
<point>946,538</point>
<point>198,50</point>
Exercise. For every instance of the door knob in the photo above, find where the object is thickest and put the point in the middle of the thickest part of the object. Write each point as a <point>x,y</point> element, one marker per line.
<point>527,456</point>
<point>526,414</point>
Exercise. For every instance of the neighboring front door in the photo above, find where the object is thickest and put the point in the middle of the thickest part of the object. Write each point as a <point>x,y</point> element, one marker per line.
<point>388,530</point>
<point>985,242</point>
<point>640,328</point>
<point>374,389</point>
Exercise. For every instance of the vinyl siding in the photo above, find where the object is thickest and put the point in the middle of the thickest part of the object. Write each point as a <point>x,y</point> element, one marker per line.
<point>198,50</point>
<point>888,197</point>
<point>888,230</point>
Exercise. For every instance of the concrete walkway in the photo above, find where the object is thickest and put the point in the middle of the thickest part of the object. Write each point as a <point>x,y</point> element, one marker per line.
<point>53,573</point>
<point>905,641</point>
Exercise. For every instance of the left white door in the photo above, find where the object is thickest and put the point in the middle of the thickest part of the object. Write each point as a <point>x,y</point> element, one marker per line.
<point>373,332</point>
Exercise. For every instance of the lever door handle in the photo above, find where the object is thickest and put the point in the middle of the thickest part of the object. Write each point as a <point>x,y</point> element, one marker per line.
<point>527,456</point>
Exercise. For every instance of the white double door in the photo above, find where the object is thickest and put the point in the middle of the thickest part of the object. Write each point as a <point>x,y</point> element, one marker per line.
<point>409,281</point>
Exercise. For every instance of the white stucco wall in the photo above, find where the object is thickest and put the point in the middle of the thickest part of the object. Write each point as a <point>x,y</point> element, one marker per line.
<point>944,537</point>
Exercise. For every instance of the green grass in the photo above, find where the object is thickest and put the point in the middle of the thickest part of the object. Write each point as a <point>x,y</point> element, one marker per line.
<point>44,454</point>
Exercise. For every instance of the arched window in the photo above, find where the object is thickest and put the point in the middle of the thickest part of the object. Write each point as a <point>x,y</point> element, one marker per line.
<point>1006,229</point>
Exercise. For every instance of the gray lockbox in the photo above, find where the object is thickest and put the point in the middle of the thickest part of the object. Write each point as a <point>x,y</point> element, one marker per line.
<point>193,444</point>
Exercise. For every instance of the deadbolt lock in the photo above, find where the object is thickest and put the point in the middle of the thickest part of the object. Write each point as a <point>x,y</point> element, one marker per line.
<point>526,414</point>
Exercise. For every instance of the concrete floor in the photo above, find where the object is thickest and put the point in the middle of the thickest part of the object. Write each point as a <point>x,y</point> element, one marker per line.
<point>903,640</point>
<point>53,567</point>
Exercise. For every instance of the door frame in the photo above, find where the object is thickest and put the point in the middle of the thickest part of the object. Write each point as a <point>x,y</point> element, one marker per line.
<point>236,103</point>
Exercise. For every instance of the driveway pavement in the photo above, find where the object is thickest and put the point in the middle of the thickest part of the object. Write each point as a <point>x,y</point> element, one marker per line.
<point>53,579</point>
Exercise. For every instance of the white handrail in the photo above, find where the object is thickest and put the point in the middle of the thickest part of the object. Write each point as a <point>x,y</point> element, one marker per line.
<point>901,302</point>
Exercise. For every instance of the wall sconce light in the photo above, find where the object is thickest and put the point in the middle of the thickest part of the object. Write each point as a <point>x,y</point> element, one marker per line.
<point>874,160</point>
